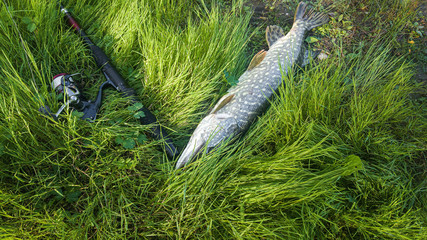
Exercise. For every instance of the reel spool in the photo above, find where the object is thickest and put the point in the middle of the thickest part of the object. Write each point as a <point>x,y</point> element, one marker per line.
<point>63,83</point>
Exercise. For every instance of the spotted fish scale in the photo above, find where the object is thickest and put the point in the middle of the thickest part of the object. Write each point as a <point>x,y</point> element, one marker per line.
<point>235,111</point>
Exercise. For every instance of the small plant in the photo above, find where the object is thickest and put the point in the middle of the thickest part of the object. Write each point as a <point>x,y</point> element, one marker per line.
<point>31,26</point>
<point>136,111</point>
<point>337,28</point>
<point>417,32</point>
<point>129,141</point>
<point>230,79</point>
<point>311,39</point>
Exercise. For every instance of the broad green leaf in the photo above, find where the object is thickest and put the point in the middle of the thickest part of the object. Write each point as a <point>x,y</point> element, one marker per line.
<point>141,138</point>
<point>232,80</point>
<point>311,40</point>
<point>128,143</point>
<point>73,196</point>
<point>135,106</point>
<point>27,20</point>
<point>77,114</point>
<point>119,140</point>
<point>139,114</point>
<point>31,27</point>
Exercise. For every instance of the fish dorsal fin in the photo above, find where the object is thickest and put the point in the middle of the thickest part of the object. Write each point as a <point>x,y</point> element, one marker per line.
<point>273,33</point>
<point>257,59</point>
<point>222,102</point>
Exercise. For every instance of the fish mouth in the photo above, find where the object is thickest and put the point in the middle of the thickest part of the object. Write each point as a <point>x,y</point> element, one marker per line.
<point>208,134</point>
<point>189,153</point>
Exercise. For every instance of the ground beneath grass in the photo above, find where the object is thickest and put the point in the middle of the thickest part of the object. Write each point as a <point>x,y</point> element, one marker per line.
<point>358,18</point>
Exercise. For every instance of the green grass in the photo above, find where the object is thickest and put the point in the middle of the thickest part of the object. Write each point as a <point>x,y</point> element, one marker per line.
<point>340,154</point>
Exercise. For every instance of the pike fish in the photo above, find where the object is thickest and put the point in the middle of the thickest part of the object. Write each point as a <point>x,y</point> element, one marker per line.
<point>235,111</point>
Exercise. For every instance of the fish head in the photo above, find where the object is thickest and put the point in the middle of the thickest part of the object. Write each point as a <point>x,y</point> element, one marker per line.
<point>209,134</point>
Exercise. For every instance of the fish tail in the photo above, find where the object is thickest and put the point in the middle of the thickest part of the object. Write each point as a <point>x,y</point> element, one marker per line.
<point>311,19</point>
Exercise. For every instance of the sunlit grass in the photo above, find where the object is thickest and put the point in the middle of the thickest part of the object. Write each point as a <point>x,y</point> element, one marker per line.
<point>338,155</point>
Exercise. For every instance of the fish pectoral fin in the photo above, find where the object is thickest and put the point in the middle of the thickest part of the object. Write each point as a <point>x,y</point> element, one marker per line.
<point>222,102</point>
<point>257,59</point>
<point>273,33</point>
<point>307,56</point>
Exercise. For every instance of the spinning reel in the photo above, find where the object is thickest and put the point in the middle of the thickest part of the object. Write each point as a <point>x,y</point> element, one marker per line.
<point>63,83</point>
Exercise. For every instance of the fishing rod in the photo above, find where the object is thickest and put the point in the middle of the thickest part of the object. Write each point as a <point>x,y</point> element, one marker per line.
<point>63,83</point>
